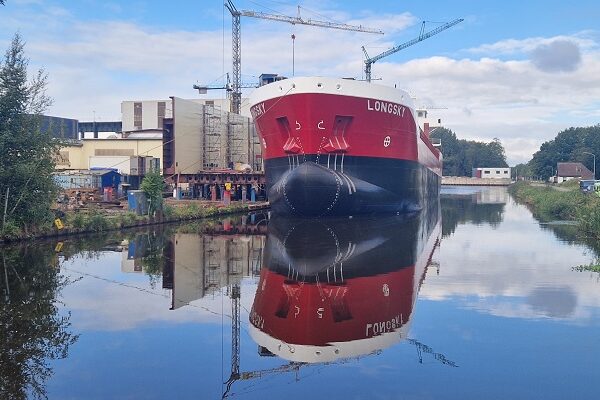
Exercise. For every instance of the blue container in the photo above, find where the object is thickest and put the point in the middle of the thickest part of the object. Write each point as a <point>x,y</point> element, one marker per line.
<point>137,202</point>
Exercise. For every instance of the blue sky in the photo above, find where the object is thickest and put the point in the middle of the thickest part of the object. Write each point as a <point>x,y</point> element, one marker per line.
<point>519,71</point>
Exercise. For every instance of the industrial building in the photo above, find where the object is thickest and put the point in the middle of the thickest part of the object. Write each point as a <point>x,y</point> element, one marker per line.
<point>199,146</point>
<point>57,127</point>
<point>108,153</point>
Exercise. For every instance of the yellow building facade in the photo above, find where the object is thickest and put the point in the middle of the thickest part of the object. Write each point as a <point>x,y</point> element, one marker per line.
<point>107,153</point>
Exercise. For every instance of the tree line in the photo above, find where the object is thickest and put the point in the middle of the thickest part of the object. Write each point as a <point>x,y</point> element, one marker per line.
<point>461,156</point>
<point>570,145</point>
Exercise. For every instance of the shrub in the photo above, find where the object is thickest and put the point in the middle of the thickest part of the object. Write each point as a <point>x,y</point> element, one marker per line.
<point>97,223</point>
<point>11,230</point>
<point>78,221</point>
<point>129,218</point>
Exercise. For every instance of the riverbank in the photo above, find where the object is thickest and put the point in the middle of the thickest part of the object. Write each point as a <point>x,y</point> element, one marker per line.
<point>564,202</point>
<point>95,221</point>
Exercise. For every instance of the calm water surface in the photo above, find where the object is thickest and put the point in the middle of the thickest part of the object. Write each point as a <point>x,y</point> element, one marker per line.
<point>470,299</point>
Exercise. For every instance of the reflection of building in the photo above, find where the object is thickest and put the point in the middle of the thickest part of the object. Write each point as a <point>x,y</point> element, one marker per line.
<point>134,251</point>
<point>491,173</point>
<point>492,195</point>
<point>202,264</point>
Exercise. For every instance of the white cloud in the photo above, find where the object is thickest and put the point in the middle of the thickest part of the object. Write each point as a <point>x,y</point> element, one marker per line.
<point>94,65</point>
<point>513,46</point>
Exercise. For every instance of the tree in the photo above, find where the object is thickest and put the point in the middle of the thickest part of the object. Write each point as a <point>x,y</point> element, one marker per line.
<point>522,171</point>
<point>152,186</point>
<point>28,155</point>
<point>461,156</point>
<point>569,145</point>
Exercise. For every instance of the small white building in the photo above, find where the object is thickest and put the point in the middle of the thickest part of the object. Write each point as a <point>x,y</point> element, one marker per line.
<point>491,173</point>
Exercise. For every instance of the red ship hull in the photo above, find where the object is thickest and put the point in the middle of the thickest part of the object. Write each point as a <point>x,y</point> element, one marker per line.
<point>354,291</point>
<point>340,147</point>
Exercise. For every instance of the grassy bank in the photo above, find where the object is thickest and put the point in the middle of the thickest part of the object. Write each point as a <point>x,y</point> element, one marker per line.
<point>95,221</point>
<point>562,202</point>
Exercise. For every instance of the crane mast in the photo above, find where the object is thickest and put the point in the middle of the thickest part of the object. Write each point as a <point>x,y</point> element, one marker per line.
<point>236,41</point>
<point>422,36</point>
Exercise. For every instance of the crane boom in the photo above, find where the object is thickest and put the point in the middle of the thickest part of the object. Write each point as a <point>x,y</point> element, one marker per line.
<point>299,21</point>
<point>236,41</point>
<point>371,60</point>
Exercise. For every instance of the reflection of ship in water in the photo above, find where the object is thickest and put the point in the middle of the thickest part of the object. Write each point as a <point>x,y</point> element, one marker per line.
<point>336,289</point>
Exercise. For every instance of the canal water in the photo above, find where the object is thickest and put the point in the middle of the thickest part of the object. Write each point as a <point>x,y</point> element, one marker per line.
<point>472,298</point>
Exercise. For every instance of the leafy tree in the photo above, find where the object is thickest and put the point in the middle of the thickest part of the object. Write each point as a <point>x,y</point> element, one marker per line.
<point>569,145</point>
<point>28,155</point>
<point>461,156</point>
<point>153,186</point>
<point>522,170</point>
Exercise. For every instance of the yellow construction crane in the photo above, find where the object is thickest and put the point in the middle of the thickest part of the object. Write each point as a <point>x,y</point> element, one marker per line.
<point>236,41</point>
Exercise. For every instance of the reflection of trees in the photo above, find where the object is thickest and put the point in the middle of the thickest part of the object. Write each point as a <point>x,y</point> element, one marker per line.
<point>151,253</point>
<point>571,234</point>
<point>462,209</point>
<point>31,330</point>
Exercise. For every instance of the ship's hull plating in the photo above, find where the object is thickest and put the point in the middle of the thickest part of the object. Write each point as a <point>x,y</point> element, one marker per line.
<point>317,186</point>
<point>338,147</point>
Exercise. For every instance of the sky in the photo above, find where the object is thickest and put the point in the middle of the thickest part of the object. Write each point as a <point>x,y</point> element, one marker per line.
<point>519,71</point>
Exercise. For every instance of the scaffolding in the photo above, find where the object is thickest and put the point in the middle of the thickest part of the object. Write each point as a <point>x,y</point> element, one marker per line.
<point>228,139</point>
<point>211,137</point>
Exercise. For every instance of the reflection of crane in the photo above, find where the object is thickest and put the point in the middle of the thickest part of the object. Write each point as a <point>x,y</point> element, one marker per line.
<point>422,36</point>
<point>236,41</point>
<point>294,366</point>
<point>423,348</point>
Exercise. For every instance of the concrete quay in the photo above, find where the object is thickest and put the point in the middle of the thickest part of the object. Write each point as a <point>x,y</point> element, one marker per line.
<point>468,181</point>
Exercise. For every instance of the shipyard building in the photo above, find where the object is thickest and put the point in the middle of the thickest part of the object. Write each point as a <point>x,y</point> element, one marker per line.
<point>198,145</point>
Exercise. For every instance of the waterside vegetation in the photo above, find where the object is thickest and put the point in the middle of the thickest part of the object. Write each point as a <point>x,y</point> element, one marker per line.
<point>97,221</point>
<point>563,202</point>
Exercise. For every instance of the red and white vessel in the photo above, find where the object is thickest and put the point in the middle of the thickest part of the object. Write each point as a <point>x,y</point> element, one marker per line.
<point>340,288</point>
<point>343,147</point>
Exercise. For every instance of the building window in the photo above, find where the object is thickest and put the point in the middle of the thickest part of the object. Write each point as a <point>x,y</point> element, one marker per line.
<point>209,103</point>
<point>498,172</point>
<point>161,113</point>
<point>137,115</point>
<point>486,172</point>
<point>506,172</point>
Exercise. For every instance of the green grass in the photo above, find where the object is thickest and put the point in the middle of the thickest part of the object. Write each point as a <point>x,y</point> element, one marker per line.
<point>548,204</point>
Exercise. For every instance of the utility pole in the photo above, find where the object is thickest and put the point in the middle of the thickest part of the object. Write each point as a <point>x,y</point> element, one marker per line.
<point>593,155</point>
